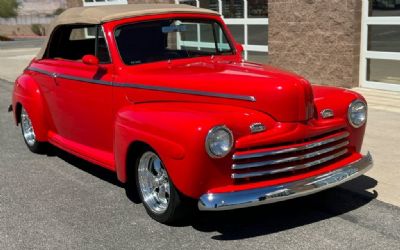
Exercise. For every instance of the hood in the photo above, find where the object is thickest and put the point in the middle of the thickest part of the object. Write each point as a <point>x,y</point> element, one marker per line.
<point>284,96</point>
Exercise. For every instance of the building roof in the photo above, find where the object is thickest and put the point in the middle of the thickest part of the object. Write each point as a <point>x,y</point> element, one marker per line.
<point>102,14</point>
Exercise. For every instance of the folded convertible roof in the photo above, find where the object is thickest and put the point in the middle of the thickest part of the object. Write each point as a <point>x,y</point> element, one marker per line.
<point>102,14</point>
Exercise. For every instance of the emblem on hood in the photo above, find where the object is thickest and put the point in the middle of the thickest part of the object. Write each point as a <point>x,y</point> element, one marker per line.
<point>327,113</point>
<point>257,127</point>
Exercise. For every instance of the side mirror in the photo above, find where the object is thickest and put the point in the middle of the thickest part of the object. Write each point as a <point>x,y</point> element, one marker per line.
<point>239,49</point>
<point>90,60</point>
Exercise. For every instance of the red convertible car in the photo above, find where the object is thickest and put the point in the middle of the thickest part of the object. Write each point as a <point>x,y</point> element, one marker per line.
<point>161,95</point>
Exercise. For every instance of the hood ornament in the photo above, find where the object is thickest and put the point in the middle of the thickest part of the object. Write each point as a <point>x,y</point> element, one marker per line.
<point>327,113</point>
<point>257,127</point>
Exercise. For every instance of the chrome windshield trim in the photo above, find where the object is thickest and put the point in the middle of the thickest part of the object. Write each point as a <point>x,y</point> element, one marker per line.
<point>291,168</point>
<point>147,87</point>
<point>286,191</point>
<point>289,159</point>
<point>322,142</point>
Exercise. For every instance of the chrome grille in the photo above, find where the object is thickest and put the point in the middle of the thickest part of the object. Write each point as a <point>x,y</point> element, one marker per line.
<point>278,160</point>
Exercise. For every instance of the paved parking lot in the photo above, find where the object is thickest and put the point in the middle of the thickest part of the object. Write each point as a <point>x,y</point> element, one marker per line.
<point>57,201</point>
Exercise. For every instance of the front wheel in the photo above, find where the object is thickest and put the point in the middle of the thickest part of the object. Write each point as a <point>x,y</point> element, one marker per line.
<point>29,135</point>
<point>158,194</point>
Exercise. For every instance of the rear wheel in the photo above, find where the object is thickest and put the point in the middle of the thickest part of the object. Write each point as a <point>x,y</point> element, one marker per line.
<point>29,135</point>
<point>158,194</point>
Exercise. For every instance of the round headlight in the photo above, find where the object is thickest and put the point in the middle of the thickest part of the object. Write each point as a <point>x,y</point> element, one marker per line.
<point>219,142</point>
<point>357,113</point>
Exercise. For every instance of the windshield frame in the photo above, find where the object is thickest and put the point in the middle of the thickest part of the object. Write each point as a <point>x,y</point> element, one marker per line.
<point>226,34</point>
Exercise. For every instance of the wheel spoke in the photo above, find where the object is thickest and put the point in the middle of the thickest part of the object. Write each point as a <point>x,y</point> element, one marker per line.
<point>162,194</point>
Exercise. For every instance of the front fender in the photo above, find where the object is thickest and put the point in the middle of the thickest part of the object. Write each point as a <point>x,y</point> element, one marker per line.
<point>27,94</point>
<point>338,100</point>
<point>177,132</point>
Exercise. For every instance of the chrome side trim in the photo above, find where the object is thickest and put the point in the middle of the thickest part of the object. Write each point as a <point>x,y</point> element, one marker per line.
<point>290,150</point>
<point>93,81</point>
<point>69,77</point>
<point>186,91</point>
<point>45,72</point>
<point>291,168</point>
<point>146,87</point>
<point>286,191</point>
<point>290,159</point>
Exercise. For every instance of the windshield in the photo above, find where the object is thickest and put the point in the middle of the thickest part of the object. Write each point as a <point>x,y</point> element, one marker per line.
<point>170,39</point>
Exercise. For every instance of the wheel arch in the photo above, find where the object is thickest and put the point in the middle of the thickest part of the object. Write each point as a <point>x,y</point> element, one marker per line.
<point>131,141</point>
<point>17,114</point>
<point>134,151</point>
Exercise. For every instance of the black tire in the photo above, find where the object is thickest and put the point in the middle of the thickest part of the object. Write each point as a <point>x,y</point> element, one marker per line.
<point>33,145</point>
<point>178,206</point>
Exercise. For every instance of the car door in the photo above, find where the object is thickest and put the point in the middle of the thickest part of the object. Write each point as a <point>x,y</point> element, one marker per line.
<point>81,101</point>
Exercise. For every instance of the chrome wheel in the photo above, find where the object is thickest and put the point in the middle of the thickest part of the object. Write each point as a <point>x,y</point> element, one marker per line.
<point>154,183</point>
<point>27,128</point>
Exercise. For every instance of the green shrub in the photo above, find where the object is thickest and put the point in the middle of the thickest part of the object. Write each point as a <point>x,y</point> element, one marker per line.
<point>38,29</point>
<point>8,8</point>
<point>58,11</point>
<point>4,38</point>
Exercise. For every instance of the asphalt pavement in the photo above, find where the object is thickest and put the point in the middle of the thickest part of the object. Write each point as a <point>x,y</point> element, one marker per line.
<point>57,201</point>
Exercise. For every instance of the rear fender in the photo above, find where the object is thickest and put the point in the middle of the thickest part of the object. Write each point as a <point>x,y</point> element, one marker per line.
<point>27,94</point>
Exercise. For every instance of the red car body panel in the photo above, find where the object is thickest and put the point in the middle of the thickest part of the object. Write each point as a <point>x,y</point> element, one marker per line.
<point>100,122</point>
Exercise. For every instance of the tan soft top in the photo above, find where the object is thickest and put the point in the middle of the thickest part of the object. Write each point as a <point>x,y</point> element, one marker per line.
<point>102,14</point>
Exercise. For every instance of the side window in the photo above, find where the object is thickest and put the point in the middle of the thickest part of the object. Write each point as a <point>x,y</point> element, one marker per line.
<point>72,42</point>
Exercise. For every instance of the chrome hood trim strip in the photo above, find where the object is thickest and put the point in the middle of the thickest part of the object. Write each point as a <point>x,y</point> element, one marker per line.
<point>146,87</point>
<point>286,191</point>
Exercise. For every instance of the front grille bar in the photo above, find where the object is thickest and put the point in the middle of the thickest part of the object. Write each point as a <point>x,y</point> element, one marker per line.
<point>291,168</point>
<point>324,141</point>
<point>289,159</point>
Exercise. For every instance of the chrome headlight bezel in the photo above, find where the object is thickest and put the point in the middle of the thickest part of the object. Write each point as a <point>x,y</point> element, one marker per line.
<point>350,113</point>
<point>210,138</point>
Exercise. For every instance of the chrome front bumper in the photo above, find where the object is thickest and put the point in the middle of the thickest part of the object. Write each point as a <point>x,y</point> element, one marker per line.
<point>271,194</point>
